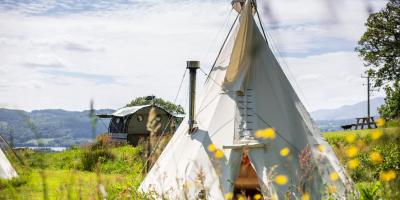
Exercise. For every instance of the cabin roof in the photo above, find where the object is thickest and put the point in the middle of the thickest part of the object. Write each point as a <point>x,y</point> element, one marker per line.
<point>133,109</point>
<point>128,110</point>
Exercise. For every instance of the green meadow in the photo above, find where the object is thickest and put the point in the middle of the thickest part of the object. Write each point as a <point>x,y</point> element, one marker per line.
<point>101,171</point>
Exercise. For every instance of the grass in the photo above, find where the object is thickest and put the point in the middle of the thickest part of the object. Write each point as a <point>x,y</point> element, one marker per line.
<point>368,175</point>
<point>361,133</point>
<point>125,159</point>
<point>118,169</point>
<point>64,184</point>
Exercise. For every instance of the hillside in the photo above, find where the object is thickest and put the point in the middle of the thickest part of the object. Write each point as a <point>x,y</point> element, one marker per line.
<point>348,111</point>
<point>54,126</point>
<point>58,127</point>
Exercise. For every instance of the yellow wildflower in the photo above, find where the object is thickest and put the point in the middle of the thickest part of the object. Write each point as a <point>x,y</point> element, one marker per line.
<point>211,148</point>
<point>350,138</point>
<point>285,151</point>
<point>334,176</point>
<point>380,122</point>
<point>321,148</point>
<point>305,196</point>
<point>352,151</point>
<point>353,163</point>
<point>257,197</point>
<point>387,175</point>
<point>268,133</point>
<point>240,197</point>
<point>331,189</point>
<point>228,196</point>
<point>259,134</point>
<point>281,179</point>
<point>219,153</point>
<point>375,157</point>
<point>376,134</point>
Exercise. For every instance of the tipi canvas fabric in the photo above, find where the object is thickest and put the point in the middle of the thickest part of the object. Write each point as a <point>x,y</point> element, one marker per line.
<point>241,96</point>
<point>6,170</point>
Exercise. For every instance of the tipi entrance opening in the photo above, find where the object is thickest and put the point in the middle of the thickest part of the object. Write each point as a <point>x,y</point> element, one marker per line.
<point>246,184</point>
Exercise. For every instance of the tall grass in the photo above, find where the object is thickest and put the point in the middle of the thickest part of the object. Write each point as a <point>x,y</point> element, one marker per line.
<point>108,170</point>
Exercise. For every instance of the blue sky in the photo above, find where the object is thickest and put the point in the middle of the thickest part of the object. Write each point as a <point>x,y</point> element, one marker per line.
<point>61,54</point>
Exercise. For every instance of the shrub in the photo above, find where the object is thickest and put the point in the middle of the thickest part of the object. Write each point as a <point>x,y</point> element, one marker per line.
<point>14,182</point>
<point>91,158</point>
<point>391,109</point>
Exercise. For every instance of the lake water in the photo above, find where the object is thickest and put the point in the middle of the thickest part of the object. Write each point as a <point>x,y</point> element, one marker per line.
<point>55,149</point>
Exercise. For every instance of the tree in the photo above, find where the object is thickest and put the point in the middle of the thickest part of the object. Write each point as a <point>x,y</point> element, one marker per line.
<point>167,105</point>
<point>391,109</point>
<point>380,45</point>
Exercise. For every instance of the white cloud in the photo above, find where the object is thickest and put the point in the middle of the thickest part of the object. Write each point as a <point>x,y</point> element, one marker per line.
<point>328,80</point>
<point>143,47</point>
<point>144,51</point>
<point>310,26</point>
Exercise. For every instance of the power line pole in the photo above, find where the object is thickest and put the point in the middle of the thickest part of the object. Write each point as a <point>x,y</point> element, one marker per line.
<point>369,90</point>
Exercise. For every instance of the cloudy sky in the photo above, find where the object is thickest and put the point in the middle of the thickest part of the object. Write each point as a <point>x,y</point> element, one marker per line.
<point>61,54</point>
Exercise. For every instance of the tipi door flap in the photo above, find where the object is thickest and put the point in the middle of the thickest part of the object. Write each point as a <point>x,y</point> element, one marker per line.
<point>257,160</point>
<point>247,181</point>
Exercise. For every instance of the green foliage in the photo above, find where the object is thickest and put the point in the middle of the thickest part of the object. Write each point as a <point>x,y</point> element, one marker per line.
<point>127,160</point>
<point>380,44</point>
<point>388,146</point>
<point>14,182</point>
<point>117,168</point>
<point>61,160</point>
<point>393,123</point>
<point>66,184</point>
<point>91,158</point>
<point>118,160</point>
<point>167,105</point>
<point>369,192</point>
<point>391,109</point>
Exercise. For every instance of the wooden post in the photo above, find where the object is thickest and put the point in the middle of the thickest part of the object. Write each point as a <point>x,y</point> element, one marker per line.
<point>368,100</point>
<point>369,107</point>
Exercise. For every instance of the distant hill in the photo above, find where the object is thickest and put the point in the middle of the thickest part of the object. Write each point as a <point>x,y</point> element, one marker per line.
<point>57,127</point>
<point>54,127</point>
<point>349,111</point>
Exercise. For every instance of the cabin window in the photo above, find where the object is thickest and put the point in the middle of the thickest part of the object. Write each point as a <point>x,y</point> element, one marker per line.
<point>158,118</point>
<point>117,121</point>
<point>140,118</point>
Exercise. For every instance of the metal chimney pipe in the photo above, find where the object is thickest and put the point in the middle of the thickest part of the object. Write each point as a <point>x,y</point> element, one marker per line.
<point>192,66</point>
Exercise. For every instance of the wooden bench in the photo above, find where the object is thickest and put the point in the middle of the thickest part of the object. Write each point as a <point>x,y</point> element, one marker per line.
<point>361,122</point>
<point>364,121</point>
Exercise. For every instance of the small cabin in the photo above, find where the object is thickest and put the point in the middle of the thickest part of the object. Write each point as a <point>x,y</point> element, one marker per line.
<point>133,123</point>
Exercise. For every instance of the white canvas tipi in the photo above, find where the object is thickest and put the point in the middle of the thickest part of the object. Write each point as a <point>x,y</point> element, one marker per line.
<point>245,98</point>
<point>6,169</point>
